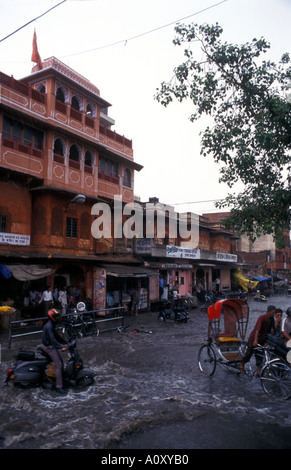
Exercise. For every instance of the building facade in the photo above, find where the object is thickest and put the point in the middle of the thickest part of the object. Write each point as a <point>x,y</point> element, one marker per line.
<point>260,259</point>
<point>206,264</point>
<point>58,156</point>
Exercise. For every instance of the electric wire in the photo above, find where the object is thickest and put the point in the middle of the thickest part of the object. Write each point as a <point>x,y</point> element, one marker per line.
<point>31,21</point>
<point>122,41</point>
<point>125,41</point>
<point>195,202</point>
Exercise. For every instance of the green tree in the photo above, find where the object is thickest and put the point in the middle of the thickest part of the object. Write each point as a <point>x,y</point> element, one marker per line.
<point>246,99</point>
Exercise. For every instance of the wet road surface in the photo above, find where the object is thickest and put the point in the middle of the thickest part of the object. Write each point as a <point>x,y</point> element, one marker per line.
<point>148,394</point>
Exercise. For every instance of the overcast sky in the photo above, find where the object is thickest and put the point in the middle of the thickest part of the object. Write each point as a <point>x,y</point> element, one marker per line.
<point>104,41</point>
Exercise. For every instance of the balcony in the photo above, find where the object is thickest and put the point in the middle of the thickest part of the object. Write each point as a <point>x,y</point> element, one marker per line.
<point>75,114</point>
<point>110,178</point>
<point>61,107</point>
<point>74,164</point>
<point>22,97</point>
<point>22,88</point>
<point>116,141</point>
<point>116,137</point>
<point>18,146</point>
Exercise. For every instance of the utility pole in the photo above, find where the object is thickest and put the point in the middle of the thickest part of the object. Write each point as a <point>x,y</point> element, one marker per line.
<point>272,280</point>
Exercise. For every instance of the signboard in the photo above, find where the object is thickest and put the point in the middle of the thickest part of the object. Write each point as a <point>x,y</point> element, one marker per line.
<point>14,239</point>
<point>143,246</point>
<point>226,257</point>
<point>181,252</point>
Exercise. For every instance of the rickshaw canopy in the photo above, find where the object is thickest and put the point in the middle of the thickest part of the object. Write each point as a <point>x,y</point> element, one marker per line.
<point>234,313</point>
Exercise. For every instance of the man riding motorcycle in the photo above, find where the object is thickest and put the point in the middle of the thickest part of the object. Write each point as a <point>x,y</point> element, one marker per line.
<point>52,342</point>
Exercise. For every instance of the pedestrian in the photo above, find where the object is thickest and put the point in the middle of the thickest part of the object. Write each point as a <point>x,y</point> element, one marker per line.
<point>161,286</point>
<point>217,284</point>
<point>47,299</point>
<point>258,336</point>
<point>56,296</point>
<point>134,302</point>
<point>71,298</point>
<point>63,299</point>
<point>117,302</point>
<point>34,297</point>
<point>286,327</point>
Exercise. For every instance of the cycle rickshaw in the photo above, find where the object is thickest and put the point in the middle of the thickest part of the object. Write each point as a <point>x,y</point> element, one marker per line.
<point>228,321</point>
<point>226,345</point>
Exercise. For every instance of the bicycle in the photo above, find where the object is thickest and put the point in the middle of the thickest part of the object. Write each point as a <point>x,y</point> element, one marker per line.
<point>275,376</point>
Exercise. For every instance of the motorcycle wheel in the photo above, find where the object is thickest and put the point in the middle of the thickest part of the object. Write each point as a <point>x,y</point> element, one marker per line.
<point>24,385</point>
<point>85,381</point>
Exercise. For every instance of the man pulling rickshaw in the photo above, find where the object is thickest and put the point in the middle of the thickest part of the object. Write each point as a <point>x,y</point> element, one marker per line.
<point>264,326</point>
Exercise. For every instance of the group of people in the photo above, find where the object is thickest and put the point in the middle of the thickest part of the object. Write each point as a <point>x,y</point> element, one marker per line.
<point>270,323</point>
<point>60,297</point>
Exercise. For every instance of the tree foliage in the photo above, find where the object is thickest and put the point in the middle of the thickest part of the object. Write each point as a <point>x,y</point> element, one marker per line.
<point>246,98</point>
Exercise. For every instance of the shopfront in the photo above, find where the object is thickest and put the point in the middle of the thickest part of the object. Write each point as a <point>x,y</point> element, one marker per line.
<point>22,285</point>
<point>176,279</point>
<point>115,285</point>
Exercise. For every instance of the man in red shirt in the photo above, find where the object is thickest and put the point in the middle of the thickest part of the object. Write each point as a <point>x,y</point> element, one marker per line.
<point>258,336</point>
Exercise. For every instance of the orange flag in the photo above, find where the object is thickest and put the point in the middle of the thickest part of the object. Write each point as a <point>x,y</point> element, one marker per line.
<point>35,57</point>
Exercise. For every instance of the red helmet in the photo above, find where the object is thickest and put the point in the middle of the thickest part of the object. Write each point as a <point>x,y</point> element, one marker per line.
<point>54,314</point>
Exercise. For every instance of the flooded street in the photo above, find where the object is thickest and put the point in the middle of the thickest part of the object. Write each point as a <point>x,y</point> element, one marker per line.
<point>148,394</point>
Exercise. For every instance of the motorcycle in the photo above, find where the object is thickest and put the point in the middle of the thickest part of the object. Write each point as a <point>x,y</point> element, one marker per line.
<point>174,311</point>
<point>36,368</point>
<point>210,298</point>
<point>80,321</point>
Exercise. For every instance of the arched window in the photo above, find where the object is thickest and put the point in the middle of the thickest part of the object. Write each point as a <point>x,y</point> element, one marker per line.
<point>76,103</point>
<point>59,151</point>
<point>74,154</point>
<point>59,147</point>
<point>61,95</point>
<point>127,178</point>
<point>89,161</point>
<point>41,88</point>
<point>90,110</point>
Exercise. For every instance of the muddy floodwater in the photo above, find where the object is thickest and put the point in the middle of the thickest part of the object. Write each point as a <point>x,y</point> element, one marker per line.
<point>148,394</point>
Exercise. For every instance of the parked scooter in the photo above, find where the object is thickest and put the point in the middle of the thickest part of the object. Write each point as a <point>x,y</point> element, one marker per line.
<point>36,368</point>
<point>260,297</point>
<point>174,311</point>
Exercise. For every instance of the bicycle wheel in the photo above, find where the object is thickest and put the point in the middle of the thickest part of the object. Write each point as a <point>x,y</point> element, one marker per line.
<point>207,360</point>
<point>276,380</point>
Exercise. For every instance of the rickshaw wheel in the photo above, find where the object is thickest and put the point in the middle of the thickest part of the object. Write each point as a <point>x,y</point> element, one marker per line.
<point>276,380</point>
<point>207,360</point>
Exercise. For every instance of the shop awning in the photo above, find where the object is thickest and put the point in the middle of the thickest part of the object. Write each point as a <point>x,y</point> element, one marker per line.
<point>4,272</point>
<point>128,271</point>
<point>261,278</point>
<point>244,282</point>
<point>29,272</point>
